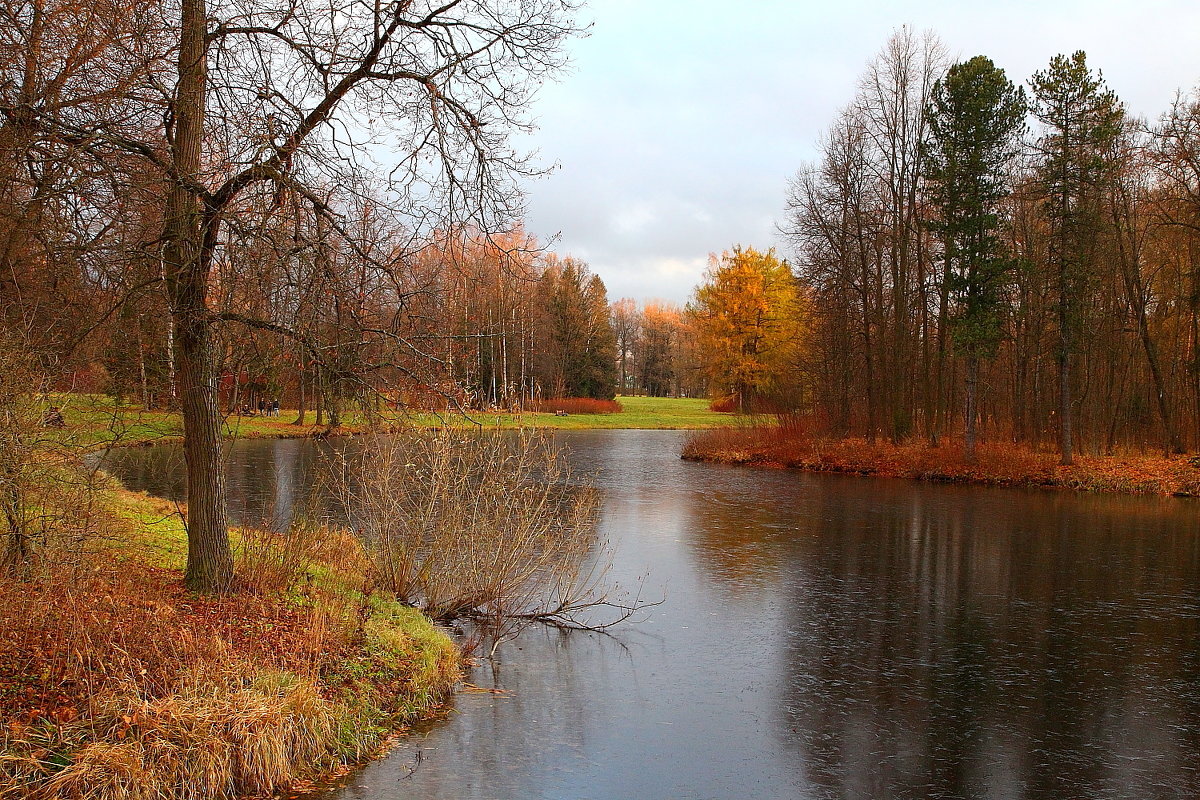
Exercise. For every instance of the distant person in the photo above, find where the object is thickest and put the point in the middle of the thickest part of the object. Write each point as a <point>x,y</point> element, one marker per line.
<point>275,407</point>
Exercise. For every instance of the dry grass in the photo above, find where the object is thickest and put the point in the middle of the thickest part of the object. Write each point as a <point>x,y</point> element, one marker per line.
<point>116,683</point>
<point>212,738</point>
<point>793,443</point>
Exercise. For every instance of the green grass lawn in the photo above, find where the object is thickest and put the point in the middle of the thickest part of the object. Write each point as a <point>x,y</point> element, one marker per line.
<point>97,420</point>
<point>664,413</point>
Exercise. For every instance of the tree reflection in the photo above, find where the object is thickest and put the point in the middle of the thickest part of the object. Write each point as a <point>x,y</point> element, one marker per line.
<point>948,642</point>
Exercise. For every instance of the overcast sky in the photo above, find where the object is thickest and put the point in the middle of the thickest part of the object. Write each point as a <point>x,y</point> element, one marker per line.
<point>681,120</point>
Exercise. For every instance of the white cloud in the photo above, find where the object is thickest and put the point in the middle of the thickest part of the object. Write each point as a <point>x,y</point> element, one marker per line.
<point>683,119</point>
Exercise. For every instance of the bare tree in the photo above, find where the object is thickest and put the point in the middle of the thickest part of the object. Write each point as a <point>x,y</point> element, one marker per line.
<point>273,98</point>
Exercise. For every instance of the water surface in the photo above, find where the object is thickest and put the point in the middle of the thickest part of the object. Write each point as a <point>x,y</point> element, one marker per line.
<point>822,637</point>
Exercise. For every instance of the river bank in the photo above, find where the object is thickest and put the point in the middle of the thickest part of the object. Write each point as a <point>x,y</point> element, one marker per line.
<point>998,464</point>
<point>115,682</point>
<point>95,421</point>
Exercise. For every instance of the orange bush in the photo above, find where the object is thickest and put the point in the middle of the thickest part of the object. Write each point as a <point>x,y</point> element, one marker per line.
<point>724,405</point>
<point>577,405</point>
<point>795,443</point>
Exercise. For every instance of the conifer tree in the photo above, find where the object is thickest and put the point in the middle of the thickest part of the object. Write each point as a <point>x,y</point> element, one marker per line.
<point>976,116</point>
<point>1082,119</point>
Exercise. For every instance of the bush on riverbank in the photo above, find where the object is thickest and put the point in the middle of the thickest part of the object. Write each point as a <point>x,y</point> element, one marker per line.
<point>489,525</point>
<point>117,683</point>
<point>793,444</point>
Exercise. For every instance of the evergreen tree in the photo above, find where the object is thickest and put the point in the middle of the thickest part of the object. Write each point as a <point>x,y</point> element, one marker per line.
<point>1082,120</point>
<point>976,116</point>
<point>578,351</point>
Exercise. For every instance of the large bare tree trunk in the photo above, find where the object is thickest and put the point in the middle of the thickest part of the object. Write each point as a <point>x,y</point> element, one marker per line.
<point>185,262</point>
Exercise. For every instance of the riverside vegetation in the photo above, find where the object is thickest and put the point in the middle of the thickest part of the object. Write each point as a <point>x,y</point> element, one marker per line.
<point>117,682</point>
<point>796,442</point>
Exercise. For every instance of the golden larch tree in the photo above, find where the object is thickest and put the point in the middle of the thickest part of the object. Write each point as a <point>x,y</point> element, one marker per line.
<point>749,318</point>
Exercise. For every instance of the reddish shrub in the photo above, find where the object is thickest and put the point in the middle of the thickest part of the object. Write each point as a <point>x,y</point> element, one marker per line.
<point>724,405</point>
<point>578,405</point>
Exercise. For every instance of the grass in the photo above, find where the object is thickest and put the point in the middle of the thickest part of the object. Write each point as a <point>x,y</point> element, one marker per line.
<point>116,683</point>
<point>793,445</point>
<point>641,413</point>
<point>95,421</point>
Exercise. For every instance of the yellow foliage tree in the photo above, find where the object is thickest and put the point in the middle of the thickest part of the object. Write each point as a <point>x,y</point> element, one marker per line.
<point>749,316</point>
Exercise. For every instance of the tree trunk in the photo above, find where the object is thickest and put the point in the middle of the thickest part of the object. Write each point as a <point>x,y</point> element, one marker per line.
<point>301,412</point>
<point>1064,402</point>
<point>210,559</point>
<point>972,386</point>
<point>185,264</point>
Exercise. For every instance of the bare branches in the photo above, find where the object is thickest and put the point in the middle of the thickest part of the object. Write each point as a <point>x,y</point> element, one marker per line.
<point>489,526</point>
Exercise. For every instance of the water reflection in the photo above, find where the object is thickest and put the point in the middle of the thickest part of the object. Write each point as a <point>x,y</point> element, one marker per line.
<point>825,637</point>
<point>956,643</point>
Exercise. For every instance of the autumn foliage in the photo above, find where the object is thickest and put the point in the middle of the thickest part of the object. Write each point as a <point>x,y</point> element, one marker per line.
<point>800,442</point>
<point>748,317</point>
<point>576,405</point>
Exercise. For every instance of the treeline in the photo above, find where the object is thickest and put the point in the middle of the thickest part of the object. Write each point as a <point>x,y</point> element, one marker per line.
<point>320,307</point>
<point>656,350</point>
<point>1020,258</point>
<point>270,258</point>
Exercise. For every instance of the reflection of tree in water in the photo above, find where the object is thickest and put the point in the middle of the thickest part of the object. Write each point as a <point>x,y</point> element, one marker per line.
<point>962,643</point>
<point>739,546</point>
<point>481,755</point>
<point>267,479</point>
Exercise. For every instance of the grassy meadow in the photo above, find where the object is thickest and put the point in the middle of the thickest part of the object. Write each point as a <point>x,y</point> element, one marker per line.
<point>94,421</point>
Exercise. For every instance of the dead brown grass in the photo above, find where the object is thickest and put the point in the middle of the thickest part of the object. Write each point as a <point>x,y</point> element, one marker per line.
<point>116,683</point>
<point>793,444</point>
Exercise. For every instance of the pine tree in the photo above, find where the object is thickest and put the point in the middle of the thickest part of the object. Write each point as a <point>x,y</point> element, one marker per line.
<point>976,116</point>
<point>1082,119</point>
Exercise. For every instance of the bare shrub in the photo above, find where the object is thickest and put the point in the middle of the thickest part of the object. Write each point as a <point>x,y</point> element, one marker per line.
<point>490,525</point>
<point>48,499</point>
<point>269,561</point>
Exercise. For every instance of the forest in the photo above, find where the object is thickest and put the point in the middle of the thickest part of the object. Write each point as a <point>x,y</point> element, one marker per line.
<point>212,211</point>
<point>1017,260</point>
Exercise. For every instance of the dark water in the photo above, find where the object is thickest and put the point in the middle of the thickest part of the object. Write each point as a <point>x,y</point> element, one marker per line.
<point>825,637</point>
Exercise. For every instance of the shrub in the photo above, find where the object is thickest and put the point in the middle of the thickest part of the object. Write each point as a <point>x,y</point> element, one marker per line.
<point>724,405</point>
<point>489,525</point>
<point>577,405</point>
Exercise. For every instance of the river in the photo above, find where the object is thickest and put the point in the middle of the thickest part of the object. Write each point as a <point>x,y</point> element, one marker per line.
<point>820,637</point>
